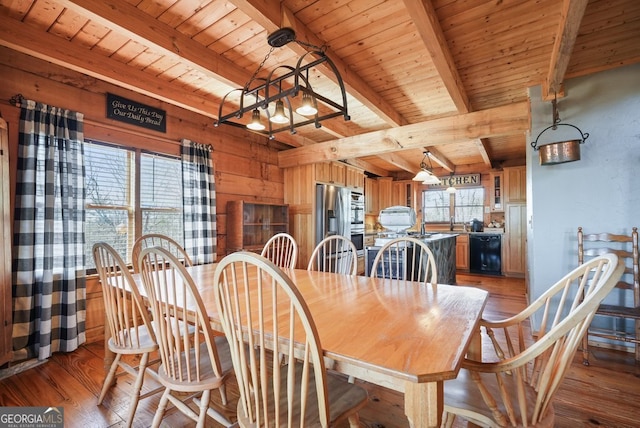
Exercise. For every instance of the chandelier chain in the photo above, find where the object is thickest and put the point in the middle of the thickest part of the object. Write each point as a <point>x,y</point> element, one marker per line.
<point>321,49</point>
<point>255,73</point>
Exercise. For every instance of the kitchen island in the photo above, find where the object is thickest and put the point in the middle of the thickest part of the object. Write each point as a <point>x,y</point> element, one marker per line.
<point>443,247</point>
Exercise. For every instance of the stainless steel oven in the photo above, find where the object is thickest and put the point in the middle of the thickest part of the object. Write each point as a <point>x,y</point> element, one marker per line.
<point>357,237</point>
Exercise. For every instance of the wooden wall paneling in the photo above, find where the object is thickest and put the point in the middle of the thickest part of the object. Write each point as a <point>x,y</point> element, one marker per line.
<point>300,193</point>
<point>245,164</point>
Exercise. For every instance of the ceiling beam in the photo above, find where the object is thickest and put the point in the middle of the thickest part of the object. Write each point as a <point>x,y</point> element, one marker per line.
<point>262,11</point>
<point>440,159</point>
<point>154,34</point>
<point>369,167</point>
<point>426,21</point>
<point>45,46</point>
<point>395,158</point>
<point>482,146</point>
<point>499,121</point>
<point>570,19</point>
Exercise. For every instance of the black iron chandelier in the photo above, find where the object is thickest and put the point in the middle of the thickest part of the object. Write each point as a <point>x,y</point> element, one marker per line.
<point>283,89</point>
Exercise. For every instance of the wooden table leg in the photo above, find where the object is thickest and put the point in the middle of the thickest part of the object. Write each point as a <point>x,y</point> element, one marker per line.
<point>474,351</point>
<point>424,403</point>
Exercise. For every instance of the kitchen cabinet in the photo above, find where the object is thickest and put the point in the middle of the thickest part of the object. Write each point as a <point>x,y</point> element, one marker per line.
<point>385,192</point>
<point>331,173</point>
<point>250,225</point>
<point>462,252</point>
<point>402,193</point>
<point>496,192</point>
<point>6,327</point>
<point>515,234</point>
<point>515,185</point>
<point>355,178</point>
<point>371,205</point>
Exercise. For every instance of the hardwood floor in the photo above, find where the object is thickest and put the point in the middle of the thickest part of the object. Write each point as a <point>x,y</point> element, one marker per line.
<point>606,394</point>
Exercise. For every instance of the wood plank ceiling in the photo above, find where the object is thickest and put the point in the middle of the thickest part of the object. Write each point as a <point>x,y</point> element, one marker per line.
<point>448,76</point>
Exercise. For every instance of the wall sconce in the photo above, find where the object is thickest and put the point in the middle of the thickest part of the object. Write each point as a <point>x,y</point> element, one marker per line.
<point>426,174</point>
<point>282,90</point>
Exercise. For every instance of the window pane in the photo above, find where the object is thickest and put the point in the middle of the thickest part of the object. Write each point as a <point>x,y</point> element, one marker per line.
<point>107,173</point>
<point>161,196</point>
<point>435,206</point>
<point>469,204</point>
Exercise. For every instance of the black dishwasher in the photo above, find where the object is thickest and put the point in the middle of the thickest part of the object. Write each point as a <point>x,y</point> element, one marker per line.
<point>485,253</point>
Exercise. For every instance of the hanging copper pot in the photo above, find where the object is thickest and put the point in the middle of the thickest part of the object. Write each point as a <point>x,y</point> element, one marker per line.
<point>560,151</point>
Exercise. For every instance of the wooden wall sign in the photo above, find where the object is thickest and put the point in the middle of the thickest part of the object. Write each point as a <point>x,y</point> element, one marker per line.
<point>134,113</point>
<point>466,180</point>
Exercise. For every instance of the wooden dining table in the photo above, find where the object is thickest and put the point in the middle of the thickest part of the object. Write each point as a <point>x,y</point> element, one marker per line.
<point>403,335</point>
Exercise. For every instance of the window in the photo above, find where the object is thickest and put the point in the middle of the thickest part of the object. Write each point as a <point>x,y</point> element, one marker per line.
<point>464,205</point>
<point>113,214</point>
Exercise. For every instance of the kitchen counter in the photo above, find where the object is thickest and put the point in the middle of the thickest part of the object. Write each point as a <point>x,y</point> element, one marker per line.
<point>443,247</point>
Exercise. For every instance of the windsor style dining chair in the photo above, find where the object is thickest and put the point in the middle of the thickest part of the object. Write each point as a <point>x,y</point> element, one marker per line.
<point>128,322</point>
<point>517,388</point>
<point>192,364</point>
<point>257,302</point>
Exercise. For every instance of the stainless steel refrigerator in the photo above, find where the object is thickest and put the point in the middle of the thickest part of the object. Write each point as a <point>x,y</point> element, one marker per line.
<point>332,211</point>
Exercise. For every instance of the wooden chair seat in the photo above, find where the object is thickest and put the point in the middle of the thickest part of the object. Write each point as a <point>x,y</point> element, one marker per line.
<point>133,342</point>
<point>206,378</point>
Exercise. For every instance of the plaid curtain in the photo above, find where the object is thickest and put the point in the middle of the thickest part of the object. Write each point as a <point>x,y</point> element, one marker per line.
<point>199,202</point>
<point>48,261</point>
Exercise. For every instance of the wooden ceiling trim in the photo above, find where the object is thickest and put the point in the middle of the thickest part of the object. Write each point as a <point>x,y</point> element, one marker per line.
<point>367,18</point>
<point>570,19</point>
<point>150,32</point>
<point>43,14</point>
<point>506,120</point>
<point>205,17</point>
